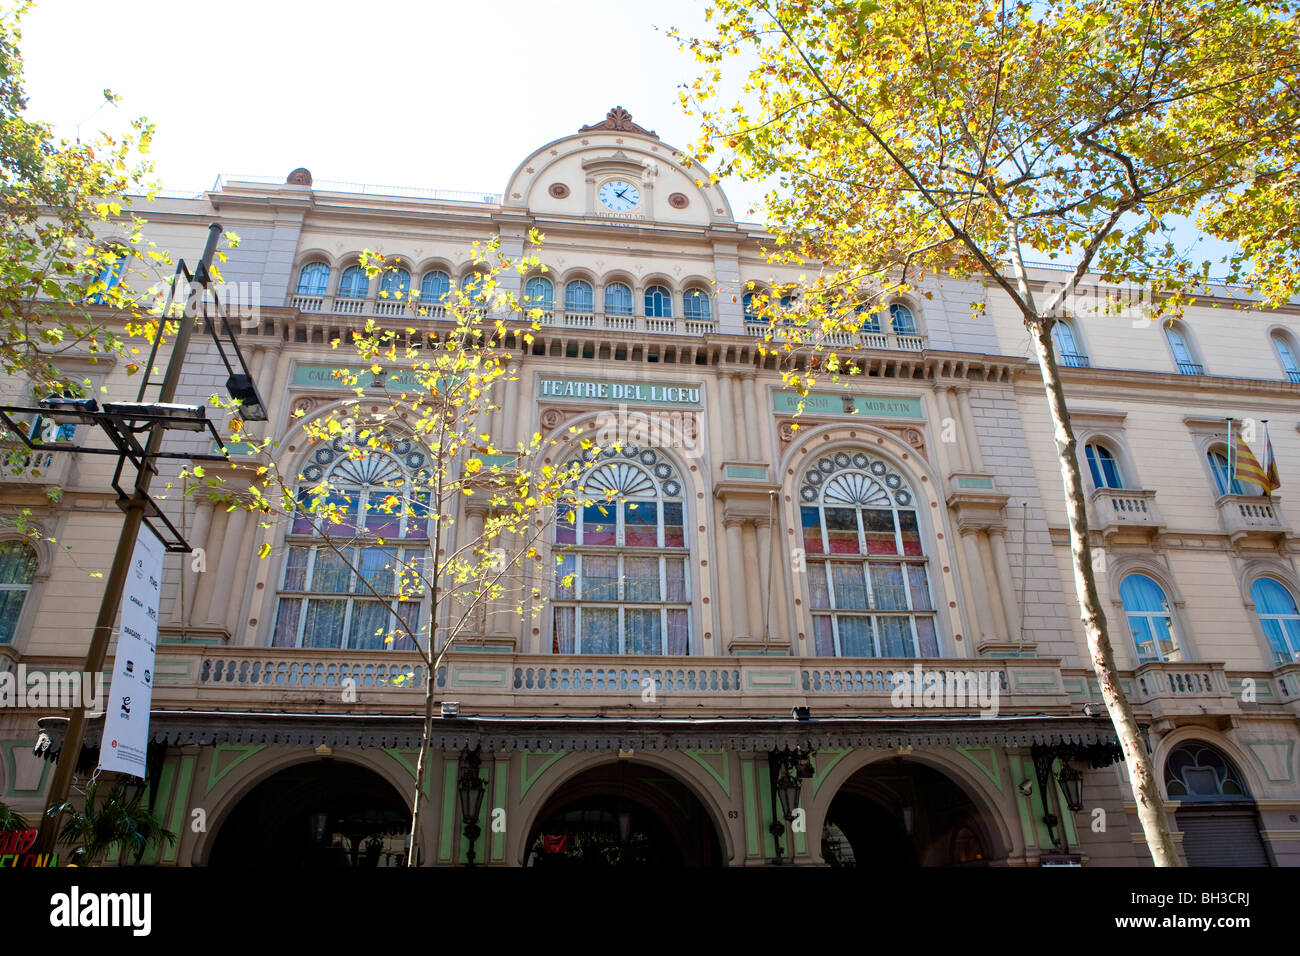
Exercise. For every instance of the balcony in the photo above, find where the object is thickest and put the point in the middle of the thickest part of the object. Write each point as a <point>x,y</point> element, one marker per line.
<point>1124,511</point>
<point>1253,520</point>
<point>888,341</point>
<point>1170,689</point>
<point>32,469</point>
<point>1190,368</point>
<point>503,683</point>
<point>1073,360</point>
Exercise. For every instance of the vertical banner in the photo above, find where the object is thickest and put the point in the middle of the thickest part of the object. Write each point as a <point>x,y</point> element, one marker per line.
<point>126,720</point>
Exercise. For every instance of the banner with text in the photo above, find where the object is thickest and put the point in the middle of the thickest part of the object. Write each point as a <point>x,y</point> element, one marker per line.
<point>631,393</point>
<point>126,721</point>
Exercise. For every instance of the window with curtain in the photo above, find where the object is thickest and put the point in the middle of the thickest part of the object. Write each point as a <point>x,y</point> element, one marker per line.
<point>1149,619</point>
<point>696,304</point>
<point>658,302</point>
<point>17,571</point>
<point>901,319</point>
<point>1103,466</point>
<point>868,321</point>
<point>314,279</point>
<point>579,297</point>
<point>472,285</point>
<point>1286,353</point>
<point>384,505</point>
<point>750,304</point>
<point>622,576</point>
<point>395,284</point>
<point>539,293</point>
<point>868,574</point>
<point>618,299</point>
<point>353,284</point>
<point>1279,616</point>
<point>1219,467</point>
<point>434,286</point>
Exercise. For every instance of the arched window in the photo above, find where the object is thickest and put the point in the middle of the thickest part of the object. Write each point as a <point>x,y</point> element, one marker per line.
<point>658,302</point>
<point>353,284</point>
<point>868,579</point>
<point>697,304</point>
<point>1068,351</point>
<point>17,571</point>
<point>539,293</point>
<point>1149,619</point>
<point>1219,466</point>
<point>1194,771</point>
<point>750,303</point>
<point>579,297</point>
<point>1279,617</point>
<point>868,321</point>
<point>314,279</point>
<point>1103,466</point>
<point>110,275</point>
<point>380,497</point>
<point>395,284</point>
<point>618,299</point>
<point>625,560</point>
<point>472,285</point>
<point>1286,352</point>
<point>1182,351</point>
<point>434,286</point>
<point>901,319</point>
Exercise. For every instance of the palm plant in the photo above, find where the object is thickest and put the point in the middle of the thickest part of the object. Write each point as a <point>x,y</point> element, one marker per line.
<point>9,820</point>
<point>118,819</point>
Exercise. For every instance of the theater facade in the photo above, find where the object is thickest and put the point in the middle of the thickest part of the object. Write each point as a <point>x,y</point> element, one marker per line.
<point>845,636</point>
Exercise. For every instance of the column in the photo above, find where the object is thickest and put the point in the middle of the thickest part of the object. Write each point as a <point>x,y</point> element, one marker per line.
<point>736,577</point>
<point>212,550</point>
<point>1006,583</point>
<point>503,429</point>
<point>198,538</point>
<point>474,517</point>
<point>219,606</point>
<point>743,450</point>
<point>753,591</point>
<point>983,610</point>
<point>726,417</point>
<point>752,416</point>
<point>962,463</point>
<point>968,426</point>
<point>986,560</point>
<point>942,457</point>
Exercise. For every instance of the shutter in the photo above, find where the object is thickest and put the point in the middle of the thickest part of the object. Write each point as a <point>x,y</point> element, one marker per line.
<point>1221,836</point>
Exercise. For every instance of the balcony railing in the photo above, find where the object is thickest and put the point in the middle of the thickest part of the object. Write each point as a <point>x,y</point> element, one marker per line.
<point>861,340</point>
<point>1190,368</point>
<point>1169,688</point>
<point>1116,509</point>
<point>1293,375</point>
<point>1073,360</point>
<point>1252,516</point>
<point>32,468</point>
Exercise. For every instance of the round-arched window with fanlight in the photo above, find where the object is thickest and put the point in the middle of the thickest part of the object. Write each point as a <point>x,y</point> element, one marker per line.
<point>868,575</point>
<point>622,582</point>
<point>357,549</point>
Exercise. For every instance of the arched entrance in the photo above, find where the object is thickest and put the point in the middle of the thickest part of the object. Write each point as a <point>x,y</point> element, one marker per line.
<point>324,814</point>
<point>1216,815</point>
<point>900,814</point>
<point>623,814</point>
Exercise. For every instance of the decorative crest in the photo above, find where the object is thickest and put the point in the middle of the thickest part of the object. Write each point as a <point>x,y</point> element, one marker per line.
<point>619,120</point>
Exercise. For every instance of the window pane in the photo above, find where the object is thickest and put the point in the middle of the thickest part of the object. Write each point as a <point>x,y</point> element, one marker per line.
<point>674,532</point>
<point>850,587</point>
<point>565,567</point>
<point>640,524</point>
<point>855,637</point>
<point>618,299</point>
<point>823,639</point>
<point>879,526</point>
<point>417,522</point>
<point>928,640</point>
<point>599,630</point>
<point>371,623</point>
<point>642,630</point>
<point>295,570</point>
<point>286,623</point>
<point>920,587</point>
<point>911,533</point>
<point>812,529</point>
<point>599,578</point>
<point>565,530</point>
<point>641,579</point>
<point>678,632</point>
<point>599,524</point>
<point>11,607</point>
<point>675,579</point>
<point>562,640</point>
<point>413,613</point>
<point>895,637</point>
<point>331,574</point>
<point>1164,637</point>
<point>377,566</point>
<point>887,587</point>
<point>842,530</point>
<point>1142,638</point>
<point>324,627</point>
<point>384,508</point>
<point>819,593</point>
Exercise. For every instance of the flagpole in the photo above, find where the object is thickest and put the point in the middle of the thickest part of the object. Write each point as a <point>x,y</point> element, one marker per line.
<point>1268,454</point>
<point>1232,467</point>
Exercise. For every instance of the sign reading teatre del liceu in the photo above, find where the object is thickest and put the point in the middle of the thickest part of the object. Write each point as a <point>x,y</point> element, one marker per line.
<point>632,393</point>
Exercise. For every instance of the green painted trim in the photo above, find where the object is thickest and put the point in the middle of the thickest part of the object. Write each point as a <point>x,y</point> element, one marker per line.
<point>974,482</point>
<point>770,680</point>
<point>1075,686</point>
<point>751,815</point>
<point>1029,683</point>
<point>821,768</point>
<point>490,678</point>
<point>526,779</point>
<point>400,757</point>
<point>1286,761</point>
<point>165,781</point>
<point>1022,802</point>
<point>499,461</point>
<point>500,778</point>
<point>180,802</point>
<point>322,376</point>
<point>765,808</point>
<point>832,403</point>
<point>1067,817</point>
<point>448,808</point>
<point>745,471</point>
<point>627,393</point>
<point>186,640</point>
<point>767,653</point>
<point>484,649</point>
<point>1262,689</point>
<point>724,780</point>
<point>11,748</point>
<point>992,772</point>
<point>236,449</point>
<point>215,777</point>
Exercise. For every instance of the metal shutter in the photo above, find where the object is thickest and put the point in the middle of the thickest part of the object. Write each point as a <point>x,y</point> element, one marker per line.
<point>1221,836</point>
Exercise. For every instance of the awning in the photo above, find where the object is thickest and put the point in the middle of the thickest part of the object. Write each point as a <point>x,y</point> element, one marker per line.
<point>1096,735</point>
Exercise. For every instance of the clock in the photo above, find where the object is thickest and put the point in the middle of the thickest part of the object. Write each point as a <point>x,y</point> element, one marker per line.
<point>619,195</point>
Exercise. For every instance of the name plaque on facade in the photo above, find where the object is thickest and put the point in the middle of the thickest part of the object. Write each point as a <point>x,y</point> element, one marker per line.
<point>842,403</point>
<point>631,393</point>
<point>323,376</point>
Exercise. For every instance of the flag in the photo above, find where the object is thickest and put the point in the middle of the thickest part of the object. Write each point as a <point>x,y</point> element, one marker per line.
<point>1270,464</point>
<point>1248,467</point>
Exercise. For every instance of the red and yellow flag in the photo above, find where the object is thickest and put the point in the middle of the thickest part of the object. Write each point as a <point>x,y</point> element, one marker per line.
<point>1249,468</point>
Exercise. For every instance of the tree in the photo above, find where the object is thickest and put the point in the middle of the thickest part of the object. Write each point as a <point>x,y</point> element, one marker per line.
<point>427,395</point>
<point>118,819</point>
<point>910,138</point>
<point>10,820</point>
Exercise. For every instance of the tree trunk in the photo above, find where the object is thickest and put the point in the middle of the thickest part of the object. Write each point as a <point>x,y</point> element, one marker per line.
<point>426,736</point>
<point>1146,791</point>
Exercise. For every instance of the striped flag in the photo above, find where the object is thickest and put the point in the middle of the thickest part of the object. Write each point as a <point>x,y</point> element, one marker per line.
<point>1270,464</point>
<point>1248,467</point>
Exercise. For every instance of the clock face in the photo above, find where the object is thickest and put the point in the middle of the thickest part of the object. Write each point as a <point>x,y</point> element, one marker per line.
<point>619,195</point>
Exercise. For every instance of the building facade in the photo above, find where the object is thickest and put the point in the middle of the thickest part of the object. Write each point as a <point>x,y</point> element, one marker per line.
<point>847,636</point>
